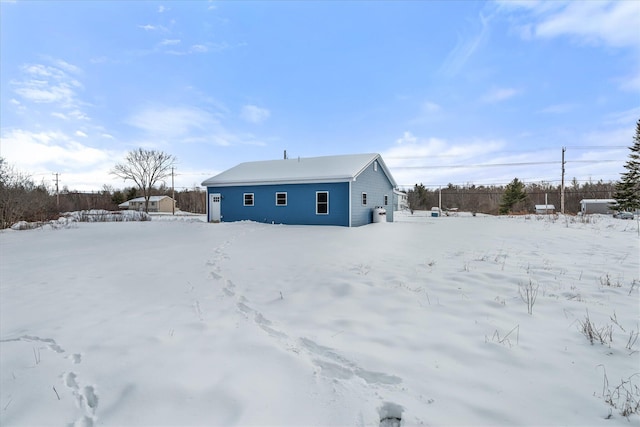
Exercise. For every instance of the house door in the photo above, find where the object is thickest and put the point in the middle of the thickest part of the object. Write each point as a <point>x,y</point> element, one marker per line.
<point>214,207</point>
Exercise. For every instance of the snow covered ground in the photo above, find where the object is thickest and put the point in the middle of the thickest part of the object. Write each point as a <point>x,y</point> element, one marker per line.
<point>178,322</point>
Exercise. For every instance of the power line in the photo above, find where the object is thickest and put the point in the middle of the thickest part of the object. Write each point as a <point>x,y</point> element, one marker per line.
<point>597,147</point>
<point>489,184</point>
<point>491,165</point>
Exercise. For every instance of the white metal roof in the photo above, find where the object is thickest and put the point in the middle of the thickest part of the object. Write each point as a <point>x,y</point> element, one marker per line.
<point>151,199</point>
<point>298,170</point>
<point>598,201</point>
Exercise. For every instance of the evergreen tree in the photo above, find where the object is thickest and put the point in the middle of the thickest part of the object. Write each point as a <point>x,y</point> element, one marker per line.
<point>513,194</point>
<point>627,192</point>
<point>132,193</point>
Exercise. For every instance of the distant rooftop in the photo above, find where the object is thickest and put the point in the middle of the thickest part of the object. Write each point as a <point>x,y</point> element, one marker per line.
<point>141,199</point>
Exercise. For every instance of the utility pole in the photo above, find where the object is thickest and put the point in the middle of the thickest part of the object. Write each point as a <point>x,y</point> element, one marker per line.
<point>562,183</point>
<point>57,191</point>
<point>173,195</point>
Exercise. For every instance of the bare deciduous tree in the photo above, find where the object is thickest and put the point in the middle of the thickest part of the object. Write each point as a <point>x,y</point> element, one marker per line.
<point>145,168</point>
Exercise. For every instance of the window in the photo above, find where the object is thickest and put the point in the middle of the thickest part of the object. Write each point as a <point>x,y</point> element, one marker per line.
<point>281,199</point>
<point>248,199</point>
<point>364,199</point>
<point>386,200</point>
<point>322,203</point>
<point>375,166</point>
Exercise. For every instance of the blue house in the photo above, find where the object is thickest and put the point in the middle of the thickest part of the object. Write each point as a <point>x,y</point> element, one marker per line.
<point>331,190</point>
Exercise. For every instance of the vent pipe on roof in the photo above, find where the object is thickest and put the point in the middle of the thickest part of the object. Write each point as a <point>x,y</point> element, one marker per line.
<point>285,154</point>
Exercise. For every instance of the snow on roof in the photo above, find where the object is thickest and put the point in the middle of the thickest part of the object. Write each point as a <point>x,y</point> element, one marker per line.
<point>301,170</point>
<point>151,199</point>
<point>598,201</point>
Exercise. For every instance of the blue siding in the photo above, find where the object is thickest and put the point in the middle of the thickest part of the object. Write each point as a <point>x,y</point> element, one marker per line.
<point>376,184</point>
<point>300,208</point>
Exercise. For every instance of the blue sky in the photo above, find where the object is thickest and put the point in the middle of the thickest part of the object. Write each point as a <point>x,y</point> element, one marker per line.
<point>447,92</point>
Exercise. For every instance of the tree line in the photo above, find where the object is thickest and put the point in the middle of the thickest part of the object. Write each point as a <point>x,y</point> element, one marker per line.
<point>22,199</point>
<point>516,197</point>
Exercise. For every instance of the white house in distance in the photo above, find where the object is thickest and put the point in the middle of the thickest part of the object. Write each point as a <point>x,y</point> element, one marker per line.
<point>156,204</point>
<point>597,206</point>
<point>400,200</point>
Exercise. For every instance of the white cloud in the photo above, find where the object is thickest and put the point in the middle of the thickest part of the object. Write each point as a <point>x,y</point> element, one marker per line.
<point>149,27</point>
<point>45,84</point>
<point>625,118</point>
<point>162,125</point>
<point>630,83</point>
<point>436,161</point>
<point>429,112</point>
<point>161,9</point>
<point>407,137</point>
<point>48,150</point>
<point>59,115</point>
<point>169,42</point>
<point>40,91</point>
<point>174,122</point>
<point>611,23</point>
<point>254,114</point>
<point>199,48</point>
<point>79,115</point>
<point>466,47</point>
<point>431,107</point>
<point>81,134</point>
<point>196,48</point>
<point>499,94</point>
<point>67,67</point>
<point>99,60</point>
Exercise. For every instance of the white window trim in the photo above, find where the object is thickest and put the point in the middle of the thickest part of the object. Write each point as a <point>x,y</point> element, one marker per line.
<point>322,213</point>
<point>244,199</point>
<point>363,199</point>
<point>286,198</point>
<point>375,166</point>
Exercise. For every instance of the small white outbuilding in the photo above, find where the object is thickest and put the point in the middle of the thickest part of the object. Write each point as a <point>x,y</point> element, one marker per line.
<point>545,209</point>
<point>597,206</point>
